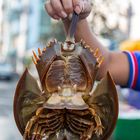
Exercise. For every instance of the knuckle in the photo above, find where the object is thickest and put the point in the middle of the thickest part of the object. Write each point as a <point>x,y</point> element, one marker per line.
<point>48,8</point>
<point>56,5</point>
<point>57,8</point>
<point>50,13</point>
<point>68,9</point>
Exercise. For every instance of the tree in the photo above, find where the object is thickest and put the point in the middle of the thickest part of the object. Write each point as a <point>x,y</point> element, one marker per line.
<point>106,18</point>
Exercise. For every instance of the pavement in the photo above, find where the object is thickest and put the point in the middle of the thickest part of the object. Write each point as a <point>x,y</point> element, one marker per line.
<point>8,129</point>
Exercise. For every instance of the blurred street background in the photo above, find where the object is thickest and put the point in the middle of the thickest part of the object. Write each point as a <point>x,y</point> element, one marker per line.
<point>8,130</point>
<point>25,26</point>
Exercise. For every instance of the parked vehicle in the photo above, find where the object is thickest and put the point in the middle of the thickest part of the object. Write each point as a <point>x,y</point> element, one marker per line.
<point>6,71</point>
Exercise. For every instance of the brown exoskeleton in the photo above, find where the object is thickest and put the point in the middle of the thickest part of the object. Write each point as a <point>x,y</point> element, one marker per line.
<point>66,106</point>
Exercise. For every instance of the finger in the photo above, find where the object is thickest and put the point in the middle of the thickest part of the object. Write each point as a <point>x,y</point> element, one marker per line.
<point>68,6</point>
<point>58,8</point>
<point>82,7</point>
<point>78,6</point>
<point>50,11</point>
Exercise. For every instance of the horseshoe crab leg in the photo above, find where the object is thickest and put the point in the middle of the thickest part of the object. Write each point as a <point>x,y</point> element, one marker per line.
<point>87,134</point>
<point>35,119</point>
<point>99,127</point>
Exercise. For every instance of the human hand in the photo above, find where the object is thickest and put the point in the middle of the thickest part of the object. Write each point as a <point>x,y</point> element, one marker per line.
<point>61,9</point>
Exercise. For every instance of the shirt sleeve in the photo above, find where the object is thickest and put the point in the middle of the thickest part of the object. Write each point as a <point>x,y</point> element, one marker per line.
<point>134,70</point>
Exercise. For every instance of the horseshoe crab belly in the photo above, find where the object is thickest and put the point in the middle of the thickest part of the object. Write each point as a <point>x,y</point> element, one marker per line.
<point>77,74</point>
<point>55,76</point>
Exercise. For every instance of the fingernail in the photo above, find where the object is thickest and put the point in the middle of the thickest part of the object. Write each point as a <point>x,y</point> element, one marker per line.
<point>56,17</point>
<point>77,9</point>
<point>64,15</point>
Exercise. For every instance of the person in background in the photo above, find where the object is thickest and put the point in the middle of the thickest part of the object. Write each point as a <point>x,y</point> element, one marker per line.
<point>123,66</point>
<point>132,97</point>
<point>130,45</point>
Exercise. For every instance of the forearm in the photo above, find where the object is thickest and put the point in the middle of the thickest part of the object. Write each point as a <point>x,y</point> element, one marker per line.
<point>116,63</point>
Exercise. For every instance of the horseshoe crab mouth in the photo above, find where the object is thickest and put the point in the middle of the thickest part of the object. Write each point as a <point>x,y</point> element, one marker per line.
<point>74,102</point>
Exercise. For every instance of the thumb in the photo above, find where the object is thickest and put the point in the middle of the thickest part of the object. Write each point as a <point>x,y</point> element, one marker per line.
<point>78,6</point>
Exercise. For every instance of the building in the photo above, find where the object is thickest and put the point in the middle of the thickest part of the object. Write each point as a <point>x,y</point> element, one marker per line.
<point>22,24</point>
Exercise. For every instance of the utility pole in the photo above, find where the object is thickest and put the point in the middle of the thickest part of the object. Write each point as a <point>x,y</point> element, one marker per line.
<point>129,18</point>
